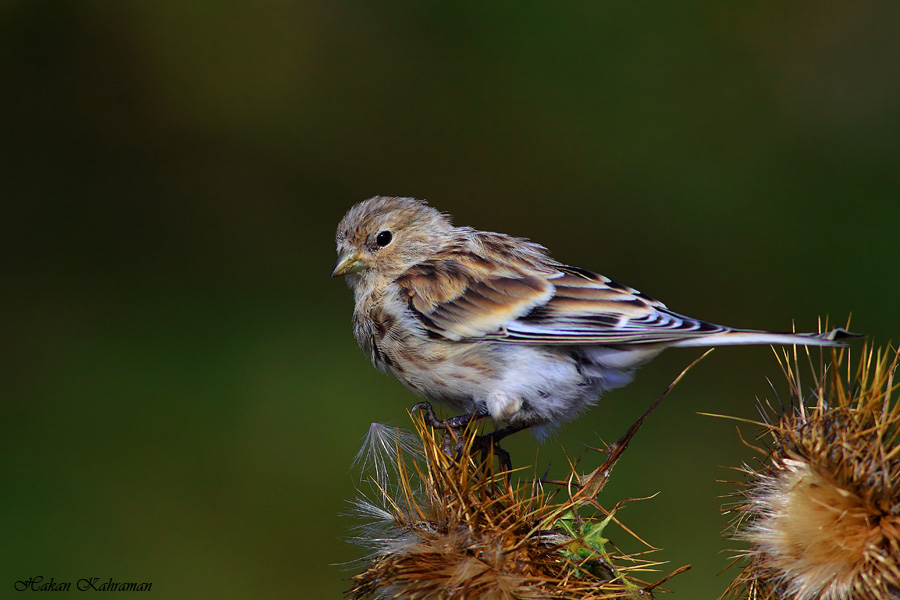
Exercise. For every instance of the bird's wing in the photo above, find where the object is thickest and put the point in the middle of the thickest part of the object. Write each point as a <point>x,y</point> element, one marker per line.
<point>458,303</point>
<point>587,308</point>
<point>562,305</point>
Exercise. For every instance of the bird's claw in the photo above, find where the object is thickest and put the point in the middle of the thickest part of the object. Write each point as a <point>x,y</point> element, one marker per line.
<point>453,424</point>
<point>486,443</point>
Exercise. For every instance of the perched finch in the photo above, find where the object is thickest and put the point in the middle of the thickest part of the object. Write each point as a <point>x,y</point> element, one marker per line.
<point>491,325</point>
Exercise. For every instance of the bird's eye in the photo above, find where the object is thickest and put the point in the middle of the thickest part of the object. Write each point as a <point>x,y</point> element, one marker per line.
<point>384,238</point>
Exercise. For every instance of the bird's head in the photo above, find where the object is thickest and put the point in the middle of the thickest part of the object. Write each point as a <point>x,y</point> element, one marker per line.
<point>383,236</point>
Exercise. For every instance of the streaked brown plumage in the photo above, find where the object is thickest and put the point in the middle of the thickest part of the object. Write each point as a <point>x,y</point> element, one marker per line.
<point>485,322</point>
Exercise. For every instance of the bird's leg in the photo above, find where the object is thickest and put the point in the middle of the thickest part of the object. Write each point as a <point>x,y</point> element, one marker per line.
<point>491,441</point>
<point>455,424</point>
<point>453,427</point>
<point>485,443</point>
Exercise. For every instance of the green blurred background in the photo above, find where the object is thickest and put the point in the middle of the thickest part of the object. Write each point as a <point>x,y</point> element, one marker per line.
<point>181,394</point>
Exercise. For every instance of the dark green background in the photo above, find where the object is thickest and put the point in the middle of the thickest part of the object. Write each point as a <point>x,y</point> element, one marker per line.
<point>181,394</point>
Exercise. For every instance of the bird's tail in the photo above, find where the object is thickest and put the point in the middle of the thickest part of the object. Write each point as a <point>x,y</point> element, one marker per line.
<point>740,337</point>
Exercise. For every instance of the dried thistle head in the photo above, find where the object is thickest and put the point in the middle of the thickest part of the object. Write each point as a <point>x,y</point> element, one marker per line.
<point>442,528</point>
<point>822,512</point>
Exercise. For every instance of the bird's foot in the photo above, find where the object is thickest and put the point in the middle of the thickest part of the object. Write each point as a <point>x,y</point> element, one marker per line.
<point>453,424</point>
<point>490,443</point>
<point>486,444</point>
<point>453,427</point>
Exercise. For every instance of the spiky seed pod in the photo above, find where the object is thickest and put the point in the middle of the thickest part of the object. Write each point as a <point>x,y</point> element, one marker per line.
<point>440,528</point>
<point>822,513</point>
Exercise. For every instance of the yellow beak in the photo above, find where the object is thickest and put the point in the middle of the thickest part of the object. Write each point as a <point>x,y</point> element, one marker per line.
<point>348,263</point>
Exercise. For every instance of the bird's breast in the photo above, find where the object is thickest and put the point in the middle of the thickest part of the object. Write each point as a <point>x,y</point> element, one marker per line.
<point>429,366</point>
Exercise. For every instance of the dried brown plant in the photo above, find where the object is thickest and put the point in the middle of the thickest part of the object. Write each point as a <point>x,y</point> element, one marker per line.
<point>822,511</point>
<point>454,527</point>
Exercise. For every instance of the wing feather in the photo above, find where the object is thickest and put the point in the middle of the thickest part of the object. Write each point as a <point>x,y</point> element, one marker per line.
<point>474,307</point>
<point>552,305</point>
<point>492,287</point>
<point>588,308</point>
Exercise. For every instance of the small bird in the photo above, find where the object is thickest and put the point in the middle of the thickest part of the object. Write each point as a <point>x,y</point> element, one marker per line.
<point>491,325</point>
